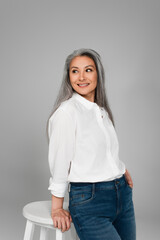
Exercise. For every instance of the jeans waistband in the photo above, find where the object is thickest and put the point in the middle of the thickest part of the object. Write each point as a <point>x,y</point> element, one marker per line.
<point>112,183</point>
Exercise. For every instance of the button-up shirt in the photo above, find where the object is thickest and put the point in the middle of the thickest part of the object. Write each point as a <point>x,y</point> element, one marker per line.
<point>83,145</point>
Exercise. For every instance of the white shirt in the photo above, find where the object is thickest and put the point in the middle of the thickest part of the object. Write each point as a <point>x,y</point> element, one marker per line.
<point>83,145</point>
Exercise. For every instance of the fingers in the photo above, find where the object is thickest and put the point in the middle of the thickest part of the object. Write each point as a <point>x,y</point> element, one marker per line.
<point>130,184</point>
<point>129,179</point>
<point>62,223</point>
<point>69,215</point>
<point>55,223</point>
<point>65,224</point>
<point>70,218</point>
<point>68,224</point>
<point>62,220</point>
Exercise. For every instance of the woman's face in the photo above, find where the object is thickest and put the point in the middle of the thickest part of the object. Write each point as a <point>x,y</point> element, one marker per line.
<point>83,76</point>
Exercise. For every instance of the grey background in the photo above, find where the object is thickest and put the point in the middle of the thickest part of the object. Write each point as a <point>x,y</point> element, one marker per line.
<point>36,37</point>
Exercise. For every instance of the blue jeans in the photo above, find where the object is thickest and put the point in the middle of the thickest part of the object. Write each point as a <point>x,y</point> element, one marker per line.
<point>103,210</point>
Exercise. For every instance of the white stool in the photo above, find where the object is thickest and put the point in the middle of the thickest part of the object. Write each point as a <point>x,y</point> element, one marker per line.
<point>39,213</point>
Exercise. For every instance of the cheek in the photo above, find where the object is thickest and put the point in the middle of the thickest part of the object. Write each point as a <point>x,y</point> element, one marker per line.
<point>73,82</point>
<point>95,79</point>
<point>72,79</point>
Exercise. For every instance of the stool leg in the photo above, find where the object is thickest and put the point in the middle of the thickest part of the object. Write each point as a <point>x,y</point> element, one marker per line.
<point>29,231</point>
<point>43,233</point>
<point>59,235</point>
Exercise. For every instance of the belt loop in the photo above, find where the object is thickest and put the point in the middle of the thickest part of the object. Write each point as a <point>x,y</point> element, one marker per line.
<point>93,189</point>
<point>116,183</point>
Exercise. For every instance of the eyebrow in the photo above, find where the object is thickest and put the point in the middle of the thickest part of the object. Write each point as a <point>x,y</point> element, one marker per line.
<point>85,66</point>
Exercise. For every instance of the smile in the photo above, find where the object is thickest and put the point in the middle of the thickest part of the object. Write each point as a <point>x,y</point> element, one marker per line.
<point>83,85</point>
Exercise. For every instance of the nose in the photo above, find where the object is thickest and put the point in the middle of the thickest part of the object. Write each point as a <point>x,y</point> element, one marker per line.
<point>81,76</point>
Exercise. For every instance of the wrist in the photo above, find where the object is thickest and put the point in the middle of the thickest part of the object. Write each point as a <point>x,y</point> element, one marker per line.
<point>57,202</point>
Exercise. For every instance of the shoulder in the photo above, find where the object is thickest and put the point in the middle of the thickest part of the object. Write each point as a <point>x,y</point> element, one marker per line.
<point>66,111</point>
<point>68,106</point>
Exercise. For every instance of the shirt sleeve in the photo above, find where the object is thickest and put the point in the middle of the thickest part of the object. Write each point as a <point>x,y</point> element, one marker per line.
<point>61,150</point>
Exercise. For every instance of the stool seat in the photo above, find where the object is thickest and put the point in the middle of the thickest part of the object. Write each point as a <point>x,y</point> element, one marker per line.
<point>39,213</point>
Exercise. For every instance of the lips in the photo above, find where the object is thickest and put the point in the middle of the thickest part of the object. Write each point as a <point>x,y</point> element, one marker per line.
<point>83,84</point>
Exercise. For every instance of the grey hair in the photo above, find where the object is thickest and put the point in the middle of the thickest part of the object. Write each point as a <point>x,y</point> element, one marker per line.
<point>66,90</point>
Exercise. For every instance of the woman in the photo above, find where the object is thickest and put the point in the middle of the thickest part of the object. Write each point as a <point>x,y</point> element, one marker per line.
<point>83,156</point>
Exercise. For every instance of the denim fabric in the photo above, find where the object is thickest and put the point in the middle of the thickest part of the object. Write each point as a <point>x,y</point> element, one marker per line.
<point>103,210</point>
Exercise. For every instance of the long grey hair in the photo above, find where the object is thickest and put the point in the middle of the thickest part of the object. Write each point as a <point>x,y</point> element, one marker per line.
<point>66,90</point>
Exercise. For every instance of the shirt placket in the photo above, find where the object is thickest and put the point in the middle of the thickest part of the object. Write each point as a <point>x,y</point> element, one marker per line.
<point>100,116</point>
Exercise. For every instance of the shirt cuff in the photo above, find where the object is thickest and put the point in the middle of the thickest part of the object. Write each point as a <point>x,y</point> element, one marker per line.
<point>58,189</point>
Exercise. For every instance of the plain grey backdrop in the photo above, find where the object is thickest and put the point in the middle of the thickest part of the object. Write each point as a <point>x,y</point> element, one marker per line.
<point>36,37</point>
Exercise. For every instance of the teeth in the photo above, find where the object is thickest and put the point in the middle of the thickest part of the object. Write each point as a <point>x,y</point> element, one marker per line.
<point>83,84</point>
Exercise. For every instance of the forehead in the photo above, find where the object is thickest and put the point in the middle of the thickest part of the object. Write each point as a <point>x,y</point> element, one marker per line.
<point>82,61</point>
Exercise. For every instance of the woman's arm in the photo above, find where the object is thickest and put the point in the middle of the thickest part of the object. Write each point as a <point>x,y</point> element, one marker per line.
<point>61,133</point>
<point>61,218</point>
<point>61,151</point>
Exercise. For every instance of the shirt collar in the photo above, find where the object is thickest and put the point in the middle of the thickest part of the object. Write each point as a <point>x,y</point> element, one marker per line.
<point>84,101</point>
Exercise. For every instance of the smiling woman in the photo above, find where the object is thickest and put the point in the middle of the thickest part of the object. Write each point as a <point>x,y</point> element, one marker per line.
<point>83,76</point>
<point>84,156</point>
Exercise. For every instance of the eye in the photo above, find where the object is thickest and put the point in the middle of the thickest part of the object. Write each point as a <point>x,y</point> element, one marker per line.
<point>89,69</point>
<point>74,71</point>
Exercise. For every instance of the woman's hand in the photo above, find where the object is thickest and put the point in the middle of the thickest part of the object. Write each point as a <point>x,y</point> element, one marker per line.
<point>129,179</point>
<point>61,219</point>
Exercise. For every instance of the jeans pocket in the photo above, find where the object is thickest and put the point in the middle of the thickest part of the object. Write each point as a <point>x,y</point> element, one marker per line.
<point>128,186</point>
<point>80,197</point>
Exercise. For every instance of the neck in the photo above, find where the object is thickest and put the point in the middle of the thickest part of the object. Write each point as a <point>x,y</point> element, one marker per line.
<point>90,97</point>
